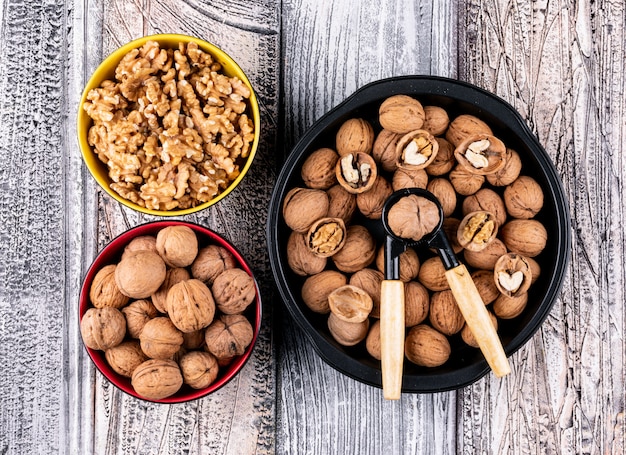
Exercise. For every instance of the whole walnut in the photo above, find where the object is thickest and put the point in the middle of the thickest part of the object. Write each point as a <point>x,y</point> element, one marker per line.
<point>139,274</point>
<point>190,305</point>
<point>507,307</point>
<point>444,191</point>
<point>355,135</point>
<point>193,340</point>
<point>384,151</point>
<point>347,333</point>
<point>358,252</point>
<point>509,172</point>
<point>234,290</point>
<point>316,288</point>
<point>444,314</point>
<point>172,276</point>
<point>444,161</point>
<point>432,274</point>
<point>371,202</point>
<point>372,341</point>
<point>341,203</point>
<point>160,339</point>
<point>229,336</point>
<point>463,126</point>
<point>485,285</point>
<point>416,303</point>
<point>141,243</point>
<point>487,257</point>
<point>318,170</point>
<point>177,245</point>
<point>468,336</point>
<point>426,346</point>
<point>303,206</point>
<point>526,237</point>
<point>137,313</point>
<point>370,281</point>
<point>125,357</point>
<point>409,263</point>
<point>409,178</point>
<point>210,262</point>
<point>412,217</point>
<point>523,198</point>
<point>102,328</point>
<point>104,291</point>
<point>199,369</point>
<point>401,114</point>
<point>156,379</point>
<point>436,120</point>
<point>301,259</point>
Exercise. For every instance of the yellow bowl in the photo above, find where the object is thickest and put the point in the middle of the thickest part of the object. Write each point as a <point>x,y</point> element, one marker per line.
<point>106,71</point>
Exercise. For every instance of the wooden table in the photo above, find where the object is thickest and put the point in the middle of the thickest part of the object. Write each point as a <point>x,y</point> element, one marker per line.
<point>560,63</point>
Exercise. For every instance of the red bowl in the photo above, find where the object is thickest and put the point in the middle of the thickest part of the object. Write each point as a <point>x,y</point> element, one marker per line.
<point>111,254</point>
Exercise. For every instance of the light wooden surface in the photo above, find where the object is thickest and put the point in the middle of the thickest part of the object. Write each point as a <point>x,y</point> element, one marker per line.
<point>560,63</point>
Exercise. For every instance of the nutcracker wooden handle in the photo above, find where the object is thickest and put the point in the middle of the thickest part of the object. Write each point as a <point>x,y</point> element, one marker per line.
<point>392,337</point>
<point>477,318</point>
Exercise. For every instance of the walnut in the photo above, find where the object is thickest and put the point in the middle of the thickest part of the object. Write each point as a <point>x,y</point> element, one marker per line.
<point>172,276</point>
<point>229,336</point>
<point>234,290</point>
<point>436,120</point>
<point>104,291</point>
<point>463,126</point>
<point>409,263</point>
<point>426,347</point>
<point>413,217</point>
<point>468,337</point>
<point>444,160</point>
<point>535,269</point>
<point>372,341</point>
<point>416,150</point>
<point>486,258</point>
<point>485,285</point>
<point>526,237</point>
<point>199,369</point>
<point>523,198</point>
<point>509,172</point>
<point>416,303</point>
<point>476,230</point>
<point>432,274</point>
<point>371,202</point>
<point>210,262</point>
<point>464,182</point>
<point>125,357</point>
<point>409,178</point>
<point>355,135</point>
<point>190,305</point>
<point>341,203</point>
<point>142,242</point>
<point>301,259</point>
<point>356,172</point>
<point>303,206</point>
<point>444,314</point>
<point>486,200</point>
<point>137,313</point>
<point>316,288</point>
<point>347,333</point>
<point>444,191</point>
<point>156,379</point>
<point>177,245</point>
<point>512,274</point>
<point>385,148</point>
<point>140,274</point>
<point>481,154</point>
<point>506,307</point>
<point>326,236</point>
<point>350,303</point>
<point>318,170</point>
<point>401,114</point>
<point>358,251</point>
<point>370,281</point>
<point>102,328</point>
<point>160,339</point>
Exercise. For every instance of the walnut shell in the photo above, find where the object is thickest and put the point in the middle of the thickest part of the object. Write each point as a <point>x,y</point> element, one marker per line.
<point>372,341</point>
<point>481,154</point>
<point>102,328</point>
<point>347,333</point>
<point>356,172</point>
<point>172,276</point>
<point>465,183</point>
<point>341,203</point>
<point>509,172</point>
<point>416,303</point>
<point>350,303</point>
<point>413,217</point>
<point>512,274</point>
<point>177,245</point>
<point>416,150</point>
<point>408,263</point>
<point>141,243</point>
<point>234,290</point>
<point>303,206</point>
<point>432,274</point>
<point>463,126</point>
<point>444,191</point>
<point>229,336</point>
<point>210,262</point>
<point>384,151</point>
<point>199,369</point>
<point>355,135</point>
<point>156,379</point>
<point>371,202</point>
<point>160,339</point>
<point>326,236</point>
<point>444,314</point>
<point>137,314</point>
<point>401,114</point>
<point>409,178</point>
<point>436,120</point>
<point>190,304</point>
<point>125,357</point>
<point>476,230</point>
<point>370,281</point>
<point>526,237</point>
<point>486,258</point>
<point>301,259</point>
<point>104,290</point>
<point>506,307</point>
<point>426,347</point>
<point>486,200</point>
<point>358,251</point>
<point>318,170</point>
<point>523,198</point>
<point>444,160</point>
<point>139,274</point>
<point>316,288</point>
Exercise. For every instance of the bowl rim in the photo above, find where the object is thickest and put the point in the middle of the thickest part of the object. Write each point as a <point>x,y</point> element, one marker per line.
<point>434,86</point>
<point>118,243</point>
<point>108,64</point>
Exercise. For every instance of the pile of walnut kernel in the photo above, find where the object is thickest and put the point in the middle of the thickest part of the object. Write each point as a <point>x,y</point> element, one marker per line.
<point>170,312</point>
<point>171,128</point>
<point>489,215</point>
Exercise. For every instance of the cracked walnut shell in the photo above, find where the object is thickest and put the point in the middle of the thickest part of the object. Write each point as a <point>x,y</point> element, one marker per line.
<point>229,336</point>
<point>416,150</point>
<point>356,172</point>
<point>481,154</point>
<point>326,236</point>
<point>512,274</point>
<point>190,305</point>
<point>350,303</point>
<point>156,379</point>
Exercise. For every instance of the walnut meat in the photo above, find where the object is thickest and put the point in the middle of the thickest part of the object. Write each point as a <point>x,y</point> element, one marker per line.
<point>355,135</point>
<point>416,150</point>
<point>177,245</point>
<point>476,230</point>
<point>318,170</point>
<point>234,290</point>
<point>199,369</point>
<point>156,379</point>
<point>125,357</point>
<point>190,305</point>
<point>316,289</point>
<point>210,262</point>
<point>356,172</point>
<point>326,236</point>
<point>137,314</point>
<point>104,291</point>
<point>140,274</point>
<point>512,274</point>
<point>481,154</point>
<point>160,339</point>
<point>426,347</point>
<point>229,336</point>
<point>102,328</point>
